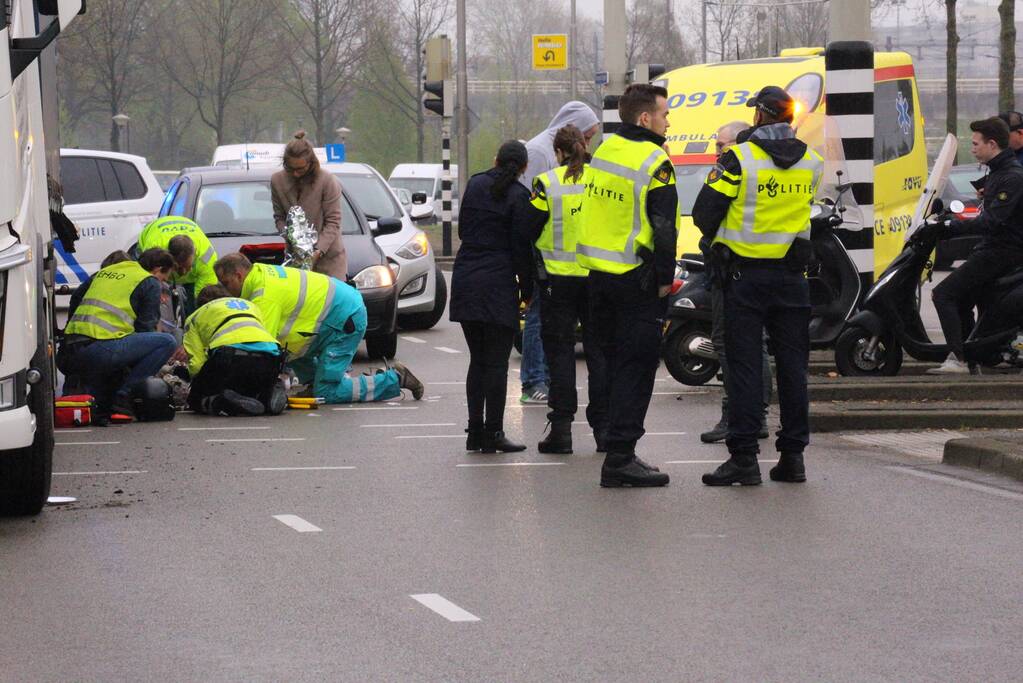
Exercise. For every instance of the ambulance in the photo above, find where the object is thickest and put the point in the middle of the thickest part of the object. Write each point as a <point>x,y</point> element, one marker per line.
<point>703,97</point>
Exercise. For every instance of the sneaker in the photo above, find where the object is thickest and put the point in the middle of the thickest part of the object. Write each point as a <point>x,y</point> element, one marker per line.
<point>406,380</point>
<point>951,366</point>
<point>1018,343</point>
<point>537,394</point>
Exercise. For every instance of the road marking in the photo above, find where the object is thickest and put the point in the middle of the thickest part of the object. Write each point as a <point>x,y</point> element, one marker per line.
<point>509,464</point>
<point>679,393</point>
<point>301,438</point>
<point>399,425</point>
<point>952,481</point>
<point>445,383</point>
<point>709,462</point>
<point>217,429</point>
<point>299,469</point>
<point>414,340</point>
<point>83,474</point>
<point>446,349</point>
<point>297,523</point>
<point>432,436</point>
<point>344,410</point>
<point>444,607</point>
<point>86,443</point>
<point>71,431</point>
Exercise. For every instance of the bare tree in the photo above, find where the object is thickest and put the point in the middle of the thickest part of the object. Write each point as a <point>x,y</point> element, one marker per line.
<point>323,42</point>
<point>213,52</point>
<point>1007,56</point>
<point>951,67</point>
<point>653,36</point>
<point>726,17</point>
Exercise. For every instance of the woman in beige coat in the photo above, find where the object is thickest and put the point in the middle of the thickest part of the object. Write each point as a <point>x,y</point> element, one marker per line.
<point>303,183</point>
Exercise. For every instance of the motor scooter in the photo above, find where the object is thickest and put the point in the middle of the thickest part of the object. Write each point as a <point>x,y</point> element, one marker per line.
<point>889,324</point>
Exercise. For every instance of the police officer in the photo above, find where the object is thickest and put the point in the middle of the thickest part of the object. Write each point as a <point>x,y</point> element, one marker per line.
<point>1000,226</point>
<point>233,360</point>
<point>319,321</point>
<point>627,242</point>
<point>1014,120</point>
<point>756,207</point>
<point>557,204</point>
<point>192,251</point>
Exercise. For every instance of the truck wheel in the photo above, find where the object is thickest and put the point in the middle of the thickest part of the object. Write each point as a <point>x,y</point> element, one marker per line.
<point>382,346</point>
<point>684,367</point>
<point>25,472</point>
<point>427,319</point>
<point>850,359</point>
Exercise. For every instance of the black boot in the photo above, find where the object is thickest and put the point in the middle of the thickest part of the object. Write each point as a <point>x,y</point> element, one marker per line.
<point>622,470</point>
<point>732,471</point>
<point>558,440</point>
<point>790,468</point>
<point>718,432</point>
<point>237,404</point>
<point>474,440</point>
<point>496,442</point>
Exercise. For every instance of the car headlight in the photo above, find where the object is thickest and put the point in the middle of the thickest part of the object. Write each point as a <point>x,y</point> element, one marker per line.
<point>374,277</point>
<point>684,302</point>
<point>417,247</point>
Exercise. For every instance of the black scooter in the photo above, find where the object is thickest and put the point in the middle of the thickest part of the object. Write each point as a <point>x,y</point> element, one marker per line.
<point>889,323</point>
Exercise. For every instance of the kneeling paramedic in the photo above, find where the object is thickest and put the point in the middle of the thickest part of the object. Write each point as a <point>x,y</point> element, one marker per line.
<point>755,207</point>
<point>234,362</point>
<point>192,251</point>
<point>319,321</point>
<point>557,212</point>
<point>110,340</point>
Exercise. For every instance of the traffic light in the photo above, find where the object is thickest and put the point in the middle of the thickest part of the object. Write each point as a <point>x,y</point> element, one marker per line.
<point>443,104</point>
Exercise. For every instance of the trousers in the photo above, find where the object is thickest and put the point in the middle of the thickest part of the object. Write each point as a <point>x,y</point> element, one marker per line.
<point>565,303</point>
<point>250,374</point>
<point>627,318</point>
<point>329,357</point>
<point>113,366</point>
<point>486,382</point>
<point>717,337</point>
<point>776,299</point>
<point>533,369</point>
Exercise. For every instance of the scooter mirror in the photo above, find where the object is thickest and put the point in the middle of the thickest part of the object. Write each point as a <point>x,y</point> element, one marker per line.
<point>956,206</point>
<point>937,206</point>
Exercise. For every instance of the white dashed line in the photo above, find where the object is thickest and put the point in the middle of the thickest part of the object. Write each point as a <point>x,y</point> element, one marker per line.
<point>398,425</point>
<point>348,410</point>
<point>218,429</point>
<point>445,383</point>
<point>297,523</point>
<point>86,474</point>
<point>301,438</point>
<point>414,340</point>
<point>510,464</point>
<point>446,349</point>
<point>71,431</point>
<point>444,607</point>
<point>432,436</point>
<point>709,462</point>
<point>86,443</point>
<point>299,469</point>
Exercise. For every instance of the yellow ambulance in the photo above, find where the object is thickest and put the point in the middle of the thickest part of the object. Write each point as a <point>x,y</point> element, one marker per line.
<point>703,97</point>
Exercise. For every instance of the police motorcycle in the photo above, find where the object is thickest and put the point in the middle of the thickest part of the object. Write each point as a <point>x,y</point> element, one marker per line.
<point>835,291</point>
<point>889,323</point>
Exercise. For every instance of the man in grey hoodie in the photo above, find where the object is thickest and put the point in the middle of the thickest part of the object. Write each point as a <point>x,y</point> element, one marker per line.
<point>534,375</point>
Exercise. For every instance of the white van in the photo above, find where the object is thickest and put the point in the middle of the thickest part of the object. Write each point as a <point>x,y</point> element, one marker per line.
<point>249,155</point>
<point>427,178</point>
<point>109,197</point>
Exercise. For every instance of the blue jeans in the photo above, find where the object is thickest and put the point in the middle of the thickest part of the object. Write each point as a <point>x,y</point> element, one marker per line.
<point>533,370</point>
<point>102,363</point>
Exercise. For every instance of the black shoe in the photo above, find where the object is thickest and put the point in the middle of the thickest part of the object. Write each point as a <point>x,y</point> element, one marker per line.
<point>242,405</point>
<point>558,441</point>
<point>278,399</point>
<point>634,473</point>
<point>406,380</point>
<point>496,442</point>
<point>790,468</point>
<point>718,432</point>
<point>474,440</point>
<point>729,472</point>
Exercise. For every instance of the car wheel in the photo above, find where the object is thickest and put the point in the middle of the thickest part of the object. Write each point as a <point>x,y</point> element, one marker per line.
<point>427,319</point>
<point>382,346</point>
<point>25,472</point>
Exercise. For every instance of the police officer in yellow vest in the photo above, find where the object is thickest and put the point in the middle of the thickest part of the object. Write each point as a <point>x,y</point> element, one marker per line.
<point>233,360</point>
<point>110,340</point>
<point>627,242</point>
<point>756,208</point>
<point>193,253</point>
<point>319,321</point>
<point>557,213</point>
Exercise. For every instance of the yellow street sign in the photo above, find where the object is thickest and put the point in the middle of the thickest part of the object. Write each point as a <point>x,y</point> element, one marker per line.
<point>550,51</point>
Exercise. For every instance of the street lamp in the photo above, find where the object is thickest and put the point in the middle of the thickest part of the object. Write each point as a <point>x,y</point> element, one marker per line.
<point>123,122</point>
<point>342,133</point>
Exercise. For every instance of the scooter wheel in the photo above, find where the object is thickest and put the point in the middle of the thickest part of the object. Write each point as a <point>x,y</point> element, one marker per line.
<point>683,367</point>
<point>851,358</point>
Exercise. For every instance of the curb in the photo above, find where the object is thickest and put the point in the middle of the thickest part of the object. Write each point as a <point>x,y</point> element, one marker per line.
<point>827,418</point>
<point>990,455</point>
<point>916,391</point>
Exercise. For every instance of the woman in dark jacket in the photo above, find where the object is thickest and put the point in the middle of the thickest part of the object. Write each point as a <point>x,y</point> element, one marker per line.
<point>491,276</point>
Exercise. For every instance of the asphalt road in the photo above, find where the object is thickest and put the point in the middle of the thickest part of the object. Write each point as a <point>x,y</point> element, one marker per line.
<point>201,549</point>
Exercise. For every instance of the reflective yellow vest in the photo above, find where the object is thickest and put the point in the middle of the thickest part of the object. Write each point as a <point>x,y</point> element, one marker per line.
<point>621,174</point>
<point>293,302</point>
<point>772,204</point>
<point>159,233</point>
<point>105,311</point>
<point>563,203</point>
<point>222,322</point>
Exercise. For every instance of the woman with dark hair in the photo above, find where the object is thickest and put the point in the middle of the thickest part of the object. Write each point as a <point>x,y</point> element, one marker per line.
<point>491,276</point>
<point>303,183</point>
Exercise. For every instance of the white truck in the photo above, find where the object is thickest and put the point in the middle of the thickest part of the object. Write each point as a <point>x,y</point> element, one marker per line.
<point>28,108</point>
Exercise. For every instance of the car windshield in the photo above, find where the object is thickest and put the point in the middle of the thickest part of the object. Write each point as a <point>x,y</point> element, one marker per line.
<point>246,208</point>
<point>371,193</point>
<point>960,179</point>
<point>414,185</point>
<point>688,181</point>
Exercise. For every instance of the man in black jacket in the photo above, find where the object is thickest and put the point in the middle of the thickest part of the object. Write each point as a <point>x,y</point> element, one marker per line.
<point>1000,224</point>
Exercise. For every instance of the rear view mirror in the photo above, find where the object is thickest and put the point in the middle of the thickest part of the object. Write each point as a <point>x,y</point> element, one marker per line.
<point>418,197</point>
<point>937,206</point>
<point>387,226</point>
<point>421,212</point>
<point>956,206</point>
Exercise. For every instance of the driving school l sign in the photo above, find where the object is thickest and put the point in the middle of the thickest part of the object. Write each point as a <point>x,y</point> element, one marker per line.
<point>550,51</point>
